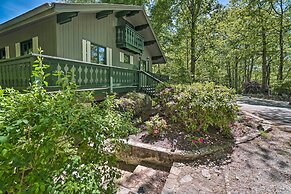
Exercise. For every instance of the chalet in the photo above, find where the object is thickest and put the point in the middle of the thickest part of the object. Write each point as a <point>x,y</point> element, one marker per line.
<point>104,47</point>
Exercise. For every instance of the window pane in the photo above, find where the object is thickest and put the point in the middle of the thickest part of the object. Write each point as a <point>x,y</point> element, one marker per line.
<point>126,58</point>
<point>26,47</point>
<point>2,53</point>
<point>98,54</point>
<point>94,53</point>
<point>102,55</point>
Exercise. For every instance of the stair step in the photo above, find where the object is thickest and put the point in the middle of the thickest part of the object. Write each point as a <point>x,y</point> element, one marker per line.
<point>142,180</point>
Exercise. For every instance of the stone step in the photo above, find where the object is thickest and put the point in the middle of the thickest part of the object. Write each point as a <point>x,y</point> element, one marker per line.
<point>142,180</point>
<point>194,180</point>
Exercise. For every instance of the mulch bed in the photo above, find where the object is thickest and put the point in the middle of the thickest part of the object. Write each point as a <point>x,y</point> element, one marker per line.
<point>176,138</point>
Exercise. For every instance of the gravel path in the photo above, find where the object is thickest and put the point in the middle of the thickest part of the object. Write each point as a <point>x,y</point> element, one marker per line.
<point>275,111</point>
<point>262,165</point>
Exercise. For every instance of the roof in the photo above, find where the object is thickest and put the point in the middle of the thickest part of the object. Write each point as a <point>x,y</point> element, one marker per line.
<point>50,9</point>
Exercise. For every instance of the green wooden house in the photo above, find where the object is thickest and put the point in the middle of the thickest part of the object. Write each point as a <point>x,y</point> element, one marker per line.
<point>104,47</point>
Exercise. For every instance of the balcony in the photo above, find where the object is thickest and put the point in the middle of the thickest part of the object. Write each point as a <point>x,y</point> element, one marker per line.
<point>128,39</point>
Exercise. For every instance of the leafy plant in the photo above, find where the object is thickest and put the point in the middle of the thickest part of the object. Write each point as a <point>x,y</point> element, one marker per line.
<point>156,125</point>
<point>133,102</point>
<point>55,142</point>
<point>282,88</point>
<point>199,105</point>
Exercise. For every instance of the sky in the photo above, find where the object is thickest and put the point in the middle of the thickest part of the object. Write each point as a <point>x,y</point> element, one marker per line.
<point>12,8</point>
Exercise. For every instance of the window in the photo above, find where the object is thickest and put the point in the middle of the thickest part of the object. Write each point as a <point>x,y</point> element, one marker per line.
<point>126,59</point>
<point>98,54</point>
<point>2,53</point>
<point>26,47</point>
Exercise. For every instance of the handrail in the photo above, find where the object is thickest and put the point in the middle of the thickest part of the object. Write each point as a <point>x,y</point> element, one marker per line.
<point>78,61</point>
<point>17,73</point>
<point>154,78</point>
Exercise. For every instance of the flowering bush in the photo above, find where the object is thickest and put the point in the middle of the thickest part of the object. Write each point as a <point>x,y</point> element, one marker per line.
<point>156,125</point>
<point>199,105</point>
<point>55,142</point>
<point>133,102</point>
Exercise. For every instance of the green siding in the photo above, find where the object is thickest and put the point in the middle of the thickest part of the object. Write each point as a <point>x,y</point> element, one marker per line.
<point>45,30</point>
<point>102,32</point>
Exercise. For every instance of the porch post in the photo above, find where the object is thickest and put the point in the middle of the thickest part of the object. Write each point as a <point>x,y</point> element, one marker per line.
<point>139,74</point>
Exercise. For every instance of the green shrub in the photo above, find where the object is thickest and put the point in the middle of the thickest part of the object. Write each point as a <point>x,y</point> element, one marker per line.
<point>55,143</point>
<point>156,125</point>
<point>282,88</point>
<point>133,102</point>
<point>198,105</point>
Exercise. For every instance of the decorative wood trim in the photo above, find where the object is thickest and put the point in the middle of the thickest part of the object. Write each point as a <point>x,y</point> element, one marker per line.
<point>126,13</point>
<point>103,14</point>
<point>66,17</point>
<point>156,57</point>
<point>150,42</point>
<point>121,13</point>
<point>132,13</point>
<point>141,27</point>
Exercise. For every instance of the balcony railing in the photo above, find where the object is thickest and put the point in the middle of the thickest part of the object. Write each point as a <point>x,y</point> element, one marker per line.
<point>128,39</point>
<point>17,73</point>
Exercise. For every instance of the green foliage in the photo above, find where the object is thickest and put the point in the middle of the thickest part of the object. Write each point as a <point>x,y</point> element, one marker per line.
<point>132,102</point>
<point>282,88</point>
<point>55,142</point>
<point>156,125</point>
<point>199,105</point>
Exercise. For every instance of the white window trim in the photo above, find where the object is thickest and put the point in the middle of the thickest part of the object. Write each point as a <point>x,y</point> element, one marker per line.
<point>17,49</point>
<point>7,53</point>
<point>121,57</point>
<point>35,44</point>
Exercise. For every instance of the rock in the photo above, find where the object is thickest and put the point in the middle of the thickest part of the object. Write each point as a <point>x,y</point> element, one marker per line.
<point>176,171</point>
<point>186,179</point>
<point>206,173</point>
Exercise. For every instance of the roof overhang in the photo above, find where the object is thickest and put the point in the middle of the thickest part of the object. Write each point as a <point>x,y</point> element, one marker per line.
<point>51,9</point>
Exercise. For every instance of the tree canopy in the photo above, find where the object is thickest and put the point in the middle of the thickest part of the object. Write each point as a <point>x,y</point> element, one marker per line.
<point>206,41</point>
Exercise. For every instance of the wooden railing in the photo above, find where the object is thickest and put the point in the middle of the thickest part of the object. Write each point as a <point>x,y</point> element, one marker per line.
<point>148,83</point>
<point>127,38</point>
<point>17,73</point>
<point>163,78</point>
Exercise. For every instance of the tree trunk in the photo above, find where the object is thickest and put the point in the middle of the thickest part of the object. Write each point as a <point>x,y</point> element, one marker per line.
<point>194,7</point>
<point>246,67</point>
<point>236,74</point>
<point>264,60</point>
<point>281,44</point>
<point>193,55</point>
<point>251,69</point>
<point>229,75</point>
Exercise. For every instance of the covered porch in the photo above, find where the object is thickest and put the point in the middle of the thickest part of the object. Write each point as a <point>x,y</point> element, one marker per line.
<point>102,79</point>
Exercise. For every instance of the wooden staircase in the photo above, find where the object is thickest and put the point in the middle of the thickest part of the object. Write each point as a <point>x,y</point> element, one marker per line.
<point>148,83</point>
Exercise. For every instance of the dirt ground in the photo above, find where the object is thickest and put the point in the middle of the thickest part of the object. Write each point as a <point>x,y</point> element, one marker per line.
<point>261,165</point>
